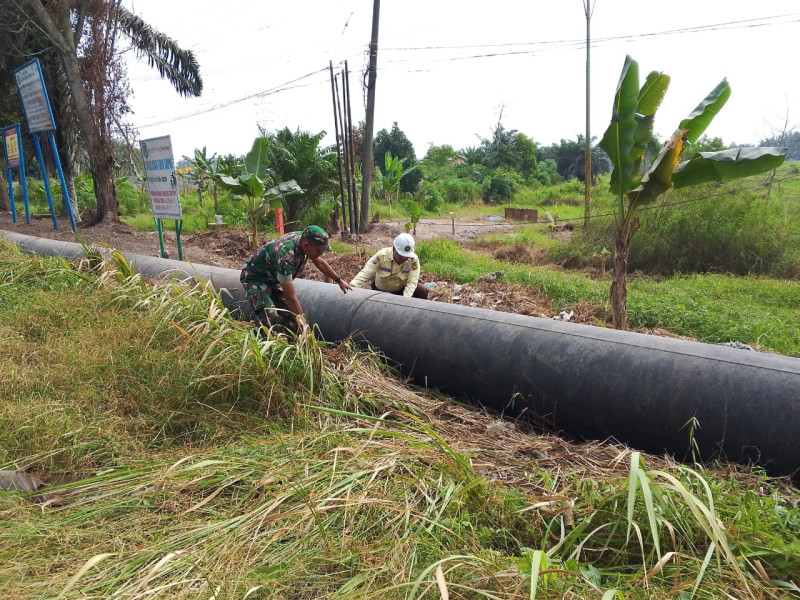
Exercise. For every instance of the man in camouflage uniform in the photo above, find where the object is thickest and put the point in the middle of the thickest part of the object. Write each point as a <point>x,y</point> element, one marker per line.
<point>395,270</point>
<point>268,277</point>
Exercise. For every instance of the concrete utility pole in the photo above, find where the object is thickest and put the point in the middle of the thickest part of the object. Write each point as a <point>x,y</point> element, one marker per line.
<point>587,172</point>
<point>366,148</point>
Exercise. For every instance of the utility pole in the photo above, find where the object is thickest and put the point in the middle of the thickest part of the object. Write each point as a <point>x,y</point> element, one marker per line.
<point>587,167</point>
<point>338,148</point>
<point>366,149</point>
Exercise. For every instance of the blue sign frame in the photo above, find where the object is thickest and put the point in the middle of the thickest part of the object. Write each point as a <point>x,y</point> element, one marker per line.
<point>33,98</point>
<point>21,166</point>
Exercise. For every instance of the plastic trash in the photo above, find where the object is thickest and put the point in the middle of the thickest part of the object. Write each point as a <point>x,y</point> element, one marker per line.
<point>737,345</point>
<point>430,285</point>
<point>564,316</point>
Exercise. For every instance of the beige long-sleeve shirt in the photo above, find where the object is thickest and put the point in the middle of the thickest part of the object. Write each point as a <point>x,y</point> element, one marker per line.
<point>388,275</point>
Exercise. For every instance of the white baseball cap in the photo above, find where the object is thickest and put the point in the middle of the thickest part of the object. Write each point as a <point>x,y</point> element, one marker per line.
<point>404,245</point>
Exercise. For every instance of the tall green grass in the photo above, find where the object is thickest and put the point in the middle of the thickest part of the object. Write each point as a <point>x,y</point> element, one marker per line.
<point>212,463</point>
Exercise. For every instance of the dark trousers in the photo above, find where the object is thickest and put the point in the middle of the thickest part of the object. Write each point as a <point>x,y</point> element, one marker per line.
<point>421,292</point>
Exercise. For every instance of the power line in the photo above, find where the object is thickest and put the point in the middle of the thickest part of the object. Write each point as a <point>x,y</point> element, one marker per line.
<point>268,92</point>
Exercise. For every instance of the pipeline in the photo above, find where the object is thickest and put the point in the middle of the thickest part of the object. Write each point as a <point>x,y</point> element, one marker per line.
<point>586,381</point>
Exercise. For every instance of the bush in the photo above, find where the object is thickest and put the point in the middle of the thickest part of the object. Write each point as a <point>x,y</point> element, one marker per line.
<point>319,214</point>
<point>131,199</point>
<point>458,190</point>
<point>737,233</point>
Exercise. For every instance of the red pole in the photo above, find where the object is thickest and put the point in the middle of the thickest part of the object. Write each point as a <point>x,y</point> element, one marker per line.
<point>279,219</point>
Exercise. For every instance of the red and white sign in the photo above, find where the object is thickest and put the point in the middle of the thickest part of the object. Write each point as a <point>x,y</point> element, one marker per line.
<point>12,146</point>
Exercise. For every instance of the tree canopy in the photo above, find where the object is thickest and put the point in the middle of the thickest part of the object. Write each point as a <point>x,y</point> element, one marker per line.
<point>396,143</point>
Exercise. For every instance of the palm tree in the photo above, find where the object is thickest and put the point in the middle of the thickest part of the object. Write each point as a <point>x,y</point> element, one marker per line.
<point>298,156</point>
<point>95,26</point>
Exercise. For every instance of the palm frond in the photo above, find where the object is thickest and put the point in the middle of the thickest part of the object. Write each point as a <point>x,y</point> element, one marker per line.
<point>177,65</point>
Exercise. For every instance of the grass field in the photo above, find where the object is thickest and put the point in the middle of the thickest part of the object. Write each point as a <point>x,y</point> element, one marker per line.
<point>199,461</point>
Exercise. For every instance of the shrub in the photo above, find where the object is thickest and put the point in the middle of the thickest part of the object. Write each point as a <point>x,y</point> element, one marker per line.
<point>131,199</point>
<point>722,229</point>
<point>459,190</point>
<point>319,214</point>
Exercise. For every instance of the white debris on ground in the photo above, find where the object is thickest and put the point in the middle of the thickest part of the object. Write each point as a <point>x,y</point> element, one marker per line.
<point>564,315</point>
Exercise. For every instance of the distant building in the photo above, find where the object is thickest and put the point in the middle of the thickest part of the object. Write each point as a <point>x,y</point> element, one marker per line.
<point>459,160</point>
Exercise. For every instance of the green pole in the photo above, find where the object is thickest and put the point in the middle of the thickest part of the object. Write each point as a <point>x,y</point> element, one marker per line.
<point>160,230</point>
<point>178,227</point>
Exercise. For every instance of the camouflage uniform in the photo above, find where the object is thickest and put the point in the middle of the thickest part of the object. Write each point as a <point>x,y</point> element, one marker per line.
<point>276,262</point>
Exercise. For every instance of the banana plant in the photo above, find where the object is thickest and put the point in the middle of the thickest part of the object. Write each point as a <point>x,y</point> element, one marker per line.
<point>625,142</point>
<point>391,176</point>
<point>204,171</point>
<point>251,186</point>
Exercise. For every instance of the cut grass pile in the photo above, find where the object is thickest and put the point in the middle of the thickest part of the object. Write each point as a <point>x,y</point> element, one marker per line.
<point>200,461</point>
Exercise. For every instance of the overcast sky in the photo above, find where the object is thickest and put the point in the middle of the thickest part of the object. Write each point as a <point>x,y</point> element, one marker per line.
<point>447,69</point>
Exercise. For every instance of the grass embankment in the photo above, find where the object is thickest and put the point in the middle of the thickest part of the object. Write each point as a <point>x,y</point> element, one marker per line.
<point>711,308</point>
<point>212,464</point>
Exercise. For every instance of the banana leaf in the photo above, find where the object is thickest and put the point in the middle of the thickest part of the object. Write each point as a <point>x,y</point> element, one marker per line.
<point>659,177</point>
<point>699,119</point>
<point>650,97</point>
<point>257,160</point>
<point>618,140</point>
<point>727,164</point>
<point>273,197</point>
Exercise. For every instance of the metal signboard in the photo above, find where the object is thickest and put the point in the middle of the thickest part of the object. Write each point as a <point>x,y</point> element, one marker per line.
<point>162,183</point>
<point>13,146</point>
<point>32,93</point>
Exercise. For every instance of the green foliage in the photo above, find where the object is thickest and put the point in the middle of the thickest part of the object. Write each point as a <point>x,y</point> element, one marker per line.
<point>429,197</point>
<point>459,190</point>
<point>440,156</point>
<point>704,144</point>
<point>498,188</point>
<point>250,185</point>
<point>396,143</point>
<point>131,199</point>
<point>214,463</point>
<point>626,141</point>
<point>742,235</point>
<point>567,159</point>
<point>509,150</point>
<point>296,156</point>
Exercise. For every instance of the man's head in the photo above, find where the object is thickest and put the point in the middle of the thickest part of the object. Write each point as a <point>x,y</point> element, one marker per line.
<point>314,241</point>
<point>403,247</point>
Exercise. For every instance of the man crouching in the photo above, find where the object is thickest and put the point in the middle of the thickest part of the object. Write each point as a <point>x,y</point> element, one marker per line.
<point>268,277</point>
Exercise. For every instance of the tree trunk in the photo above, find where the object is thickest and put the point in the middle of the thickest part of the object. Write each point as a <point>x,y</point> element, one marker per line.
<point>619,286</point>
<point>101,159</point>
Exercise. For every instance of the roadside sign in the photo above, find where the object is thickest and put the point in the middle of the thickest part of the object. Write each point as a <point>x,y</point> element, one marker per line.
<point>32,93</point>
<point>162,183</point>
<point>12,143</point>
<point>39,117</point>
<point>13,146</point>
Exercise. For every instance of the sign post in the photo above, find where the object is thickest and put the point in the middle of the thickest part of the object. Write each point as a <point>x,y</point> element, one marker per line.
<point>162,184</point>
<point>39,117</point>
<point>12,145</point>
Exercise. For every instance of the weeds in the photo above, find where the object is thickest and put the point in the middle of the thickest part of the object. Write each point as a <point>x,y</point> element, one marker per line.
<point>205,462</point>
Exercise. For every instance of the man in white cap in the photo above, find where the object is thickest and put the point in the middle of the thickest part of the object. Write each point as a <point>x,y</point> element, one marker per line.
<point>394,270</point>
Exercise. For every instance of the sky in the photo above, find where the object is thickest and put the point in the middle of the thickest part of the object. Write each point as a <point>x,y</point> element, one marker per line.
<point>449,71</point>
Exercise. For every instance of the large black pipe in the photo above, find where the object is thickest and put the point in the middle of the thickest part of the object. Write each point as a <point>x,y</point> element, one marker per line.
<point>588,381</point>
